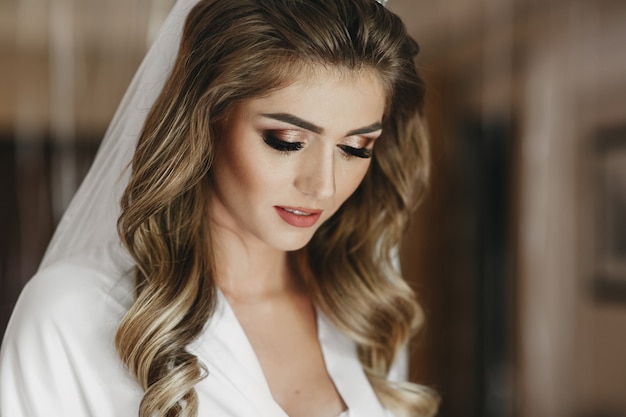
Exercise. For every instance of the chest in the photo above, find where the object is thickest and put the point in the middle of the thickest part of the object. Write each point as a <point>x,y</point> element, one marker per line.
<point>240,369</point>
<point>283,336</point>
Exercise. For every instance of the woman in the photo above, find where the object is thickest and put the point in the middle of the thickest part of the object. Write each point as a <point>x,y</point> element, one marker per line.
<point>252,272</point>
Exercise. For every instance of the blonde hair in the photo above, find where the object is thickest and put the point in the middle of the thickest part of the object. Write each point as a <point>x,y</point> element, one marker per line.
<point>234,50</point>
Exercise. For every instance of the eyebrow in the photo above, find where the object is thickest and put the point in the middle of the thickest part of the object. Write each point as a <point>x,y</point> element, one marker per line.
<point>296,121</point>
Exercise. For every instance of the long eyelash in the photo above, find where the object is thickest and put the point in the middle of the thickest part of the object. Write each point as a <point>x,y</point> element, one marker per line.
<point>281,145</point>
<point>358,152</point>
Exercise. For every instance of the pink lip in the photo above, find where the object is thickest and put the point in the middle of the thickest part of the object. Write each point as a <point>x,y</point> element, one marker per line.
<point>298,220</point>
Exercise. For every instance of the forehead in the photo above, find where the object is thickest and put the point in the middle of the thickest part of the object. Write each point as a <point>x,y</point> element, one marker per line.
<point>332,98</point>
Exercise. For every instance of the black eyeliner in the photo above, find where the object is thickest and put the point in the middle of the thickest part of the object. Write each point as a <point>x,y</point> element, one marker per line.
<point>280,145</point>
<point>358,152</point>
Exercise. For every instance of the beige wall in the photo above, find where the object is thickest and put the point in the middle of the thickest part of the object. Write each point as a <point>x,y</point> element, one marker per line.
<point>70,59</point>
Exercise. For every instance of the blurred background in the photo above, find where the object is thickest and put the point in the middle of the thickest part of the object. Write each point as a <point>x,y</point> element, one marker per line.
<point>518,253</point>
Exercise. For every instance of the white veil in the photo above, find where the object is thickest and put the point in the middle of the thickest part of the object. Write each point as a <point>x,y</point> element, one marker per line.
<point>91,217</point>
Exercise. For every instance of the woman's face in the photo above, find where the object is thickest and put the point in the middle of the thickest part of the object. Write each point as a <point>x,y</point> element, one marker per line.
<point>290,159</point>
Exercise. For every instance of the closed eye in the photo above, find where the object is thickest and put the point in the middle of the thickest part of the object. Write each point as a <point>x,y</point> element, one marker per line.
<point>358,152</point>
<point>280,145</point>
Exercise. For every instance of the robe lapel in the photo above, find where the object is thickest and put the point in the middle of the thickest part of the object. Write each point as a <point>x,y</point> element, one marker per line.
<point>228,354</point>
<point>226,350</point>
<point>346,371</point>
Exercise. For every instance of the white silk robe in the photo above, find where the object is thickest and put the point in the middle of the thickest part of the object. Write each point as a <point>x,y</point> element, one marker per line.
<point>58,357</point>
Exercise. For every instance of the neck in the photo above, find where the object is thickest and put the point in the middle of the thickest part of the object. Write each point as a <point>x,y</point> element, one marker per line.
<point>249,268</point>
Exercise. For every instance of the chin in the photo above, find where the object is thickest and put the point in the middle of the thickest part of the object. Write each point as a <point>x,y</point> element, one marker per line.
<point>297,243</point>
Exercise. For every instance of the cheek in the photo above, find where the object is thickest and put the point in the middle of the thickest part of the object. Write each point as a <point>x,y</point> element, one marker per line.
<point>348,181</point>
<point>254,173</point>
<point>233,174</point>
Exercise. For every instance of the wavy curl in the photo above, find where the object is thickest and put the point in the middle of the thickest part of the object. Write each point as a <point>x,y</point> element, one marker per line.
<point>233,50</point>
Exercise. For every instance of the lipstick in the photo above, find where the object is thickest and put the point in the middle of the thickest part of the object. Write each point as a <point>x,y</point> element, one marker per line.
<point>298,216</point>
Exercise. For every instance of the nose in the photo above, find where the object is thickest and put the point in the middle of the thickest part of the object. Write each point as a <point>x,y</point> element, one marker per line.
<point>316,174</point>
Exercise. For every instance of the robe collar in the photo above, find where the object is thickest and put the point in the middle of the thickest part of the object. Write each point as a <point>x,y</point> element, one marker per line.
<point>225,342</point>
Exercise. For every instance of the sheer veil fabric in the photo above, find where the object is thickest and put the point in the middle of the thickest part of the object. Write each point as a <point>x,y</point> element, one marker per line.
<point>91,217</point>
